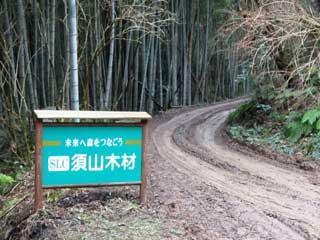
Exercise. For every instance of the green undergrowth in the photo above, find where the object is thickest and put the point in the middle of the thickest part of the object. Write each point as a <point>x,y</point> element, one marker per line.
<point>14,157</point>
<point>5,183</point>
<point>290,132</point>
<point>9,180</point>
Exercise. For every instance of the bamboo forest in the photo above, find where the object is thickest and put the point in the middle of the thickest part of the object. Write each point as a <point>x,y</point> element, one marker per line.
<point>131,55</point>
<point>218,77</point>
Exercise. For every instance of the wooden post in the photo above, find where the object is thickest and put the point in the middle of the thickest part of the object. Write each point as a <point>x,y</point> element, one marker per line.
<point>143,186</point>
<point>37,168</point>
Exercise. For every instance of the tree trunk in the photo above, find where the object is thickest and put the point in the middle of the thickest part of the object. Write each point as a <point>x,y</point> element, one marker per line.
<point>136,78</point>
<point>174,61</point>
<point>160,76</point>
<point>23,30</point>
<point>66,85</point>
<point>73,55</point>
<point>150,82</point>
<point>144,83</point>
<point>204,73</point>
<point>10,50</point>
<point>190,47</point>
<point>153,76</point>
<point>51,70</point>
<point>126,72</point>
<point>197,49</point>
<point>108,96</point>
<point>185,55</point>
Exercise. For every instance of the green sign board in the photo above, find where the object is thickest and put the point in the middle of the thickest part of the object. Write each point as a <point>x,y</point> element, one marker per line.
<point>75,155</point>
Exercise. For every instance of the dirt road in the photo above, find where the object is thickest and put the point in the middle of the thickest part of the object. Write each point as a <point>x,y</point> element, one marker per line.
<point>218,193</point>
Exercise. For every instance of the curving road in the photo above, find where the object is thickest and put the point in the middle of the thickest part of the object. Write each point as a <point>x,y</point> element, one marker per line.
<point>249,197</point>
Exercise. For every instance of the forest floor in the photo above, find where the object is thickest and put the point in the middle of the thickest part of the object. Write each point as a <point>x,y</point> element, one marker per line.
<point>201,186</point>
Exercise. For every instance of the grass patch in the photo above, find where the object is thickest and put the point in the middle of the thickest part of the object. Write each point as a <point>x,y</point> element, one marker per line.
<point>295,132</point>
<point>117,220</point>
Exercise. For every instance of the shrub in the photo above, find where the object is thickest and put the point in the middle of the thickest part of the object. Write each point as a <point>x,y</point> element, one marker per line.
<point>312,117</point>
<point>300,125</point>
<point>5,183</point>
<point>243,113</point>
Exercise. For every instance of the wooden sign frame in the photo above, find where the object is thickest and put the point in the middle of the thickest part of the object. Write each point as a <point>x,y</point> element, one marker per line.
<point>47,114</point>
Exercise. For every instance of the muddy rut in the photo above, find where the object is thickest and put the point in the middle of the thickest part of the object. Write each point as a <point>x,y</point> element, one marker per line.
<point>219,193</point>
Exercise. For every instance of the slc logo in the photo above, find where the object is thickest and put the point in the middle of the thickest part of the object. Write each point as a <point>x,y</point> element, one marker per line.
<point>58,163</point>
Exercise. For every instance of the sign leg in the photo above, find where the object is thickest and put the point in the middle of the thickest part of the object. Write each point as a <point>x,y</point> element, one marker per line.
<point>37,167</point>
<point>143,186</point>
<point>143,198</point>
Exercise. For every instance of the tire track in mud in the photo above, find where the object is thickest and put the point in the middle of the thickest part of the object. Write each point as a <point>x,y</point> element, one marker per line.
<point>269,200</point>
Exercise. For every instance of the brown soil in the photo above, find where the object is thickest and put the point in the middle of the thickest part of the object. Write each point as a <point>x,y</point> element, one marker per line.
<point>220,193</point>
<point>199,188</point>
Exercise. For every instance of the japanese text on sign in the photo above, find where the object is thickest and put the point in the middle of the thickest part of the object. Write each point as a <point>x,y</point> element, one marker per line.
<point>90,142</point>
<point>84,162</point>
